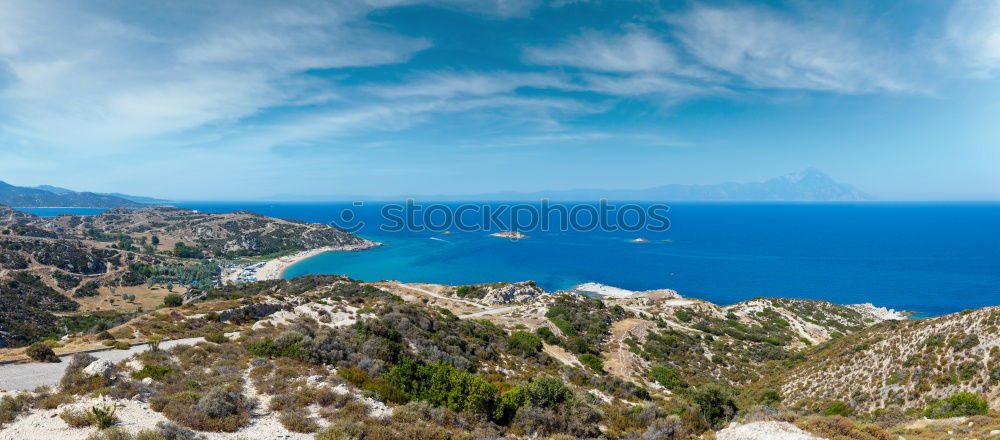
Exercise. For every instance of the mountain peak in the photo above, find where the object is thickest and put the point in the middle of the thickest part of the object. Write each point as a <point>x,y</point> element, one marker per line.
<point>808,174</point>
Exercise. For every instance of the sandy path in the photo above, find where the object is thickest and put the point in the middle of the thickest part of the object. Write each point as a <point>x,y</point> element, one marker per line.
<point>428,292</point>
<point>488,312</point>
<point>561,355</point>
<point>25,377</point>
<point>620,361</point>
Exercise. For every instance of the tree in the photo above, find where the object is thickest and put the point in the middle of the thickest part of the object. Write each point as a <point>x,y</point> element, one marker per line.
<point>156,240</point>
<point>173,300</point>
<point>182,250</point>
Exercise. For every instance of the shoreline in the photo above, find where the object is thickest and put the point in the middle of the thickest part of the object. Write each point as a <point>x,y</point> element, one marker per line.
<point>274,269</point>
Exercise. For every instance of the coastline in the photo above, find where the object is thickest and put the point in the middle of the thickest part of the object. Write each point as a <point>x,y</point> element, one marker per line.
<point>275,268</point>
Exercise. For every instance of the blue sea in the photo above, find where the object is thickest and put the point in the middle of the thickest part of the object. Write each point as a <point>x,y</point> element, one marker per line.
<point>931,258</point>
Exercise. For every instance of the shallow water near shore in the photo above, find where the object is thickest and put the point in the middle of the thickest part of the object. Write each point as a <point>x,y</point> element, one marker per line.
<point>930,258</point>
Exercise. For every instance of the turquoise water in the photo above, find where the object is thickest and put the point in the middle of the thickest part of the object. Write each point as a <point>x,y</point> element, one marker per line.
<point>929,258</point>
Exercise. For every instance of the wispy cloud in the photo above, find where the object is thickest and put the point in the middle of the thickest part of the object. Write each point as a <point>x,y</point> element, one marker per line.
<point>449,84</point>
<point>973,30</point>
<point>634,51</point>
<point>767,49</point>
<point>96,76</point>
<point>713,50</point>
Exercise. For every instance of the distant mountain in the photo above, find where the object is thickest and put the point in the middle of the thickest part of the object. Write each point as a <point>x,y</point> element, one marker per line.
<point>21,197</point>
<point>137,199</point>
<point>52,189</point>
<point>810,185</point>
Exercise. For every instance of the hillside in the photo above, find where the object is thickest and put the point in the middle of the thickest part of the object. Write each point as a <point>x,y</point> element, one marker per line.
<point>110,265</point>
<point>22,197</point>
<point>327,357</point>
<point>240,233</point>
<point>903,364</point>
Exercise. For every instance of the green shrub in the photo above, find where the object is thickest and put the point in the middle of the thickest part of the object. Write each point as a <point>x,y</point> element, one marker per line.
<point>386,389</point>
<point>524,342</point>
<point>564,326</point>
<point>508,404</point>
<point>216,337</point>
<point>667,377</point>
<point>122,345</point>
<point>268,347</point>
<point>13,406</point>
<point>769,397</point>
<point>156,372</point>
<point>76,418</point>
<point>716,402</point>
<point>41,352</point>
<point>957,405</point>
<point>53,401</point>
<point>683,315</point>
<point>168,431</point>
<point>837,427</point>
<point>443,385</point>
<point>296,421</point>
<point>103,417</point>
<point>154,343</point>
<point>221,402</point>
<point>592,361</point>
<point>173,300</point>
<point>115,433</point>
<point>546,334</point>
<point>837,408</point>
<point>548,392</point>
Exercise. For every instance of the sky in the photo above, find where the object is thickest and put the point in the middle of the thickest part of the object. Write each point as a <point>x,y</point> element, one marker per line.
<point>263,100</point>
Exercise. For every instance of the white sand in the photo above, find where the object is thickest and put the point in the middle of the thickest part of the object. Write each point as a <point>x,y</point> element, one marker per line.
<point>274,269</point>
<point>765,431</point>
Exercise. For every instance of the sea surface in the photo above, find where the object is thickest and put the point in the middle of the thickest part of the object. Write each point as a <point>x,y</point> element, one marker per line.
<point>931,258</point>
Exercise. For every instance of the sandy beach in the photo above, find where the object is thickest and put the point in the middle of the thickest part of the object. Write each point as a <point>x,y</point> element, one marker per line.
<point>275,268</point>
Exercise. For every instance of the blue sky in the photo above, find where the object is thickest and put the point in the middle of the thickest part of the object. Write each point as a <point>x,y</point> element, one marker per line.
<point>249,99</point>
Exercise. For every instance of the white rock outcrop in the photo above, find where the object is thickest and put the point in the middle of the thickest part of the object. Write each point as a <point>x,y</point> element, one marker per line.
<point>101,367</point>
<point>507,293</point>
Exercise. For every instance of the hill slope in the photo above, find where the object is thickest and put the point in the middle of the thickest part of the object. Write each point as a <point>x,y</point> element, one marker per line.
<point>904,363</point>
<point>109,263</point>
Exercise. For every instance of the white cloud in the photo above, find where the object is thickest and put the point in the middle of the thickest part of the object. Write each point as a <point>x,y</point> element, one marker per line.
<point>644,84</point>
<point>99,76</point>
<point>973,28</point>
<point>634,51</point>
<point>766,49</point>
<point>449,84</point>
